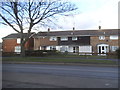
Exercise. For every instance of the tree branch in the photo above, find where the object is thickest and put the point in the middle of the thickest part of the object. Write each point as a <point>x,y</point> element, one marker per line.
<point>9,23</point>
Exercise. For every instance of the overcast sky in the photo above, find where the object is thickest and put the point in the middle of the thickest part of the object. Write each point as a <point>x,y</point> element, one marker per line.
<point>90,14</point>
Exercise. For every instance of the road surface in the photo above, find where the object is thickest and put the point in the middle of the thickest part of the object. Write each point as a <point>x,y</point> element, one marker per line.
<point>59,76</point>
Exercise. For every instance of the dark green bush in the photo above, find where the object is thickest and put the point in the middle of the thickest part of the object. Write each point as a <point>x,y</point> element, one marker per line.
<point>118,52</point>
<point>40,52</point>
<point>10,54</point>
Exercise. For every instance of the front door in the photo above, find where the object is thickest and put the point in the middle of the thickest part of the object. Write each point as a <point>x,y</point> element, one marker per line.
<point>103,48</point>
<point>75,49</point>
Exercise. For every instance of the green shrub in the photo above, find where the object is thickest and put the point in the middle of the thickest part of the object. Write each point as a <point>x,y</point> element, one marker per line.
<point>40,52</point>
<point>118,52</point>
<point>10,54</point>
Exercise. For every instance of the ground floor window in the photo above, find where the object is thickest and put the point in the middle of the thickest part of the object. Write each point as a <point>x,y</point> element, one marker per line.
<point>64,48</point>
<point>43,47</point>
<point>113,48</point>
<point>72,49</point>
<point>17,49</point>
<point>52,47</point>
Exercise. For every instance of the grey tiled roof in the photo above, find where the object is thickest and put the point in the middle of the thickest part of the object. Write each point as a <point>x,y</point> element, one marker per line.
<point>105,32</point>
<point>14,35</point>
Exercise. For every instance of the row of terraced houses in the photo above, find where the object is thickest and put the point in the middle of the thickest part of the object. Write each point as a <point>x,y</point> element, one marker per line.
<point>72,41</point>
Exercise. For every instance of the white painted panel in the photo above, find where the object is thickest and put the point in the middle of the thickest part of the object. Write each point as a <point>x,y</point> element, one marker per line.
<point>70,49</point>
<point>58,48</point>
<point>40,48</point>
<point>85,49</point>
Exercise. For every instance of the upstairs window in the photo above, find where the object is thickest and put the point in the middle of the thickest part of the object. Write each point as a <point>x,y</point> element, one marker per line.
<point>74,38</point>
<point>64,38</point>
<point>53,38</point>
<point>18,41</point>
<point>101,37</point>
<point>114,37</point>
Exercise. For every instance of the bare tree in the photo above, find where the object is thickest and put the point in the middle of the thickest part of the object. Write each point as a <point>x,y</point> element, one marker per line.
<point>23,16</point>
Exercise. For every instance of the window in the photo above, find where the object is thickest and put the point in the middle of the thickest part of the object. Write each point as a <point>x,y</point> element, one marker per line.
<point>53,38</point>
<point>74,38</point>
<point>18,41</point>
<point>114,37</point>
<point>101,37</point>
<point>17,49</point>
<point>114,48</point>
<point>52,48</point>
<point>64,38</point>
<point>64,49</point>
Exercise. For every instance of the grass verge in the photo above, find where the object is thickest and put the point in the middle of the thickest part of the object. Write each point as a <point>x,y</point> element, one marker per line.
<point>64,60</point>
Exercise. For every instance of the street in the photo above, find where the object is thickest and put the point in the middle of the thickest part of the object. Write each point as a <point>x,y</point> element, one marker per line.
<point>59,76</point>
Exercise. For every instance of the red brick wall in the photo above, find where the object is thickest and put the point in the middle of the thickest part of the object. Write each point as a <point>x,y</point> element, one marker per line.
<point>9,45</point>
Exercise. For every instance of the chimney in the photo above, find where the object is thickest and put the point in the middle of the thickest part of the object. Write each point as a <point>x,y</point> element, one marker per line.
<point>73,28</point>
<point>48,29</point>
<point>99,27</point>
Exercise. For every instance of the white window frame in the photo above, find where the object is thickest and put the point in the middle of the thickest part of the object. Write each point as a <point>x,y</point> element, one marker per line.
<point>114,37</point>
<point>17,49</point>
<point>53,38</point>
<point>114,48</point>
<point>52,47</point>
<point>64,38</point>
<point>74,38</point>
<point>18,40</point>
<point>101,37</point>
<point>64,48</point>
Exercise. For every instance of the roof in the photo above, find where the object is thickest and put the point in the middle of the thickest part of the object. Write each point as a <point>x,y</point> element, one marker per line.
<point>14,35</point>
<point>105,32</point>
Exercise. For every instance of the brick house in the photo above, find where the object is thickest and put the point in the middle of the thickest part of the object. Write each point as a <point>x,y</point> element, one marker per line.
<point>11,43</point>
<point>72,41</point>
<point>78,41</point>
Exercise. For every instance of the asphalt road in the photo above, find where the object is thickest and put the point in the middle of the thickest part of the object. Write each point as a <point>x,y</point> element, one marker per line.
<point>59,76</point>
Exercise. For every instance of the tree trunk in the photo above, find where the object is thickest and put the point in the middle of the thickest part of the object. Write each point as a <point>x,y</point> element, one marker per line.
<point>22,50</point>
<point>22,54</point>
